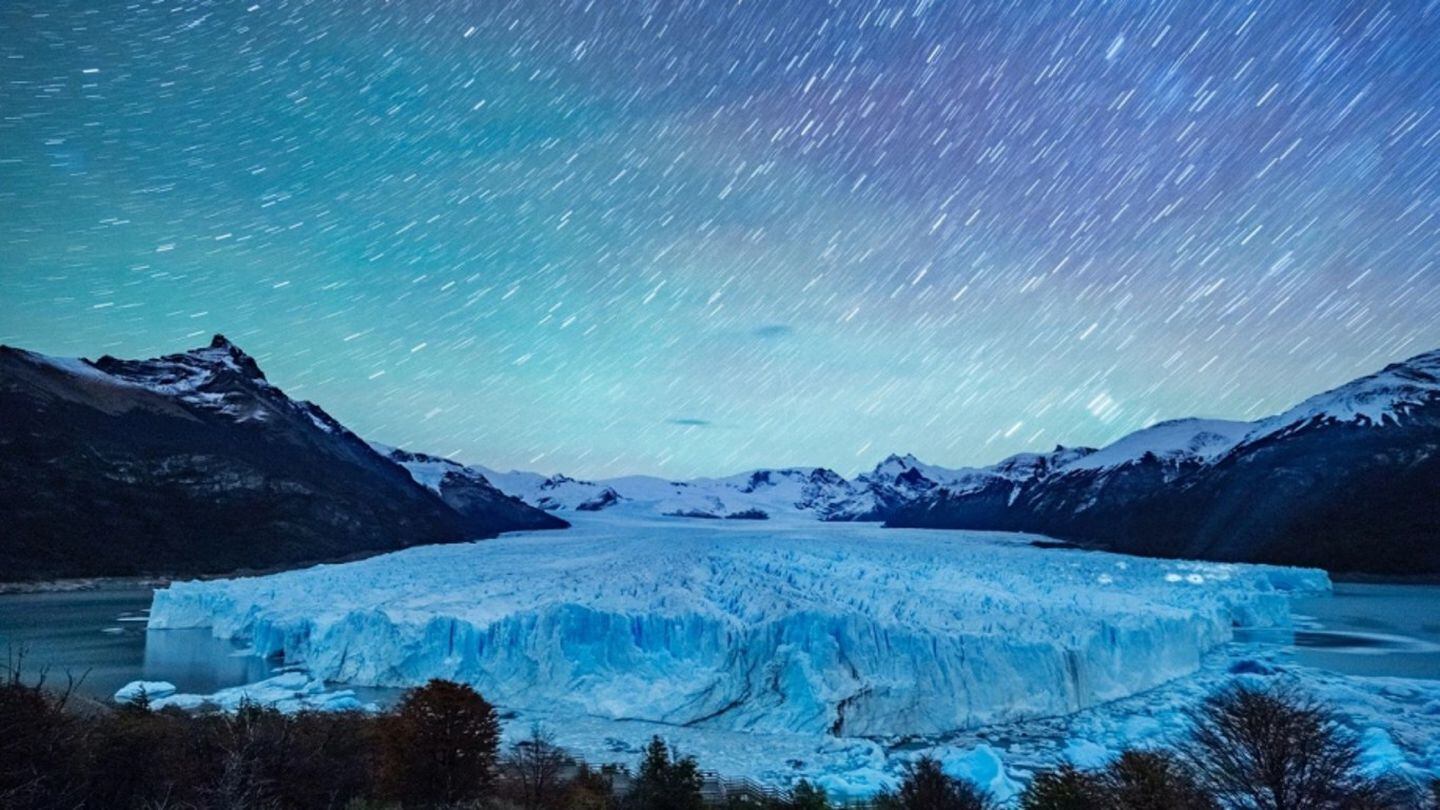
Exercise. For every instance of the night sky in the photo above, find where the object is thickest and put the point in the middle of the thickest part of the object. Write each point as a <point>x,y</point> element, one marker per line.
<point>697,237</point>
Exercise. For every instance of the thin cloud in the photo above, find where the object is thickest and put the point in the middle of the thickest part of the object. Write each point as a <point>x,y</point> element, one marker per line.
<point>773,331</point>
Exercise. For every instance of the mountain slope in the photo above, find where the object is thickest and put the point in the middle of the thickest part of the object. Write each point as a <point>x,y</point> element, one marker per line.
<point>467,491</point>
<point>191,463</point>
<point>1347,480</point>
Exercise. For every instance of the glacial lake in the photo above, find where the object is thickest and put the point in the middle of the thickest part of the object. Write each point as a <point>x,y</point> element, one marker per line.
<point>100,635</point>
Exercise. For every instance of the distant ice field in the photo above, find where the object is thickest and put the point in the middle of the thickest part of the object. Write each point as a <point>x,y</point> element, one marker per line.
<point>840,630</point>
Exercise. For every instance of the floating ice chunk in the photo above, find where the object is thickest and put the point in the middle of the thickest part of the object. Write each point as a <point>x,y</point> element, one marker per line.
<point>860,782</point>
<point>152,690</point>
<point>287,692</point>
<point>983,766</point>
<point>1139,728</point>
<point>1379,755</point>
<point>1085,754</point>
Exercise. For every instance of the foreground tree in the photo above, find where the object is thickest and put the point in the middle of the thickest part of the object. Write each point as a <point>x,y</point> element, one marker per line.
<point>1152,780</point>
<point>926,786</point>
<point>589,789</point>
<point>664,782</point>
<point>1280,749</point>
<point>806,796</point>
<point>532,770</point>
<point>440,745</point>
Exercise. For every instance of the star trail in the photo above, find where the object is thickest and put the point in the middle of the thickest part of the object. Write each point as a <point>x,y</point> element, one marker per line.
<point>692,238</point>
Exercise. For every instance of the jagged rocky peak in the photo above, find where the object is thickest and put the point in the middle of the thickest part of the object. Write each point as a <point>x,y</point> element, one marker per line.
<point>608,497</point>
<point>232,355</point>
<point>759,478</point>
<point>897,463</point>
<point>826,476</point>
<point>1034,465</point>
<point>467,490</point>
<point>174,373</point>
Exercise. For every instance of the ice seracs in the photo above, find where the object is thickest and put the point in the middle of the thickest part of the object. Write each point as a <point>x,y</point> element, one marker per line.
<point>796,627</point>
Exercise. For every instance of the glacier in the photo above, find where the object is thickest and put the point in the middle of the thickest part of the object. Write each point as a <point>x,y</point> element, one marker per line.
<point>790,627</point>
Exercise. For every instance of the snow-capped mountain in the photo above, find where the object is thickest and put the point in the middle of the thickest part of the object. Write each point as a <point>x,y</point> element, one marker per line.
<point>1346,442</point>
<point>899,480</point>
<point>815,493</point>
<point>467,491</point>
<point>1346,480</point>
<point>806,492</point>
<point>1395,395</point>
<point>194,462</point>
<point>183,461</point>
<point>1175,443</point>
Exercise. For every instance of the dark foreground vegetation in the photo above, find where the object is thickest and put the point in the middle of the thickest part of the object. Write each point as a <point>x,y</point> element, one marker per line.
<point>440,748</point>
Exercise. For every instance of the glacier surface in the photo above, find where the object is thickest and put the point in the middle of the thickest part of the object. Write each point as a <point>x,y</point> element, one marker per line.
<point>792,628</point>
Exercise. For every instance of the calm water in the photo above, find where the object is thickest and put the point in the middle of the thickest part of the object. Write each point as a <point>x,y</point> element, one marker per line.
<point>1365,629</point>
<point>100,636</point>
<point>1359,630</point>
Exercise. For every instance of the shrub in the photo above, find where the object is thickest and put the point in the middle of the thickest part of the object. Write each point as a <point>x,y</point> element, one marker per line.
<point>145,758</point>
<point>589,789</point>
<point>1063,788</point>
<point>926,786</point>
<point>42,763</point>
<point>1279,749</point>
<point>1152,780</point>
<point>329,759</point>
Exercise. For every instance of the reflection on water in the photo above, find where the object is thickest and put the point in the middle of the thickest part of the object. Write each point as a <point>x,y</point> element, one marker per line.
<point>99,639</point>
<point>199,663</point>
<point>1361,643</point>
<point>1369,629</point>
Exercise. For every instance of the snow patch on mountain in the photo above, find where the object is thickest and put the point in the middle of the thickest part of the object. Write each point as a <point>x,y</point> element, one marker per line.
<point>808,628</point>
<point>1175,441</point>
<point>1385,397</point>
<point>815,493</point>
<point>427,470</point>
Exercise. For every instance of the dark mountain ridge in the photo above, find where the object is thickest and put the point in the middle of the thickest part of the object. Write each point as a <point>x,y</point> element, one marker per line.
<point>1348,480</point>
<point>195,463</point>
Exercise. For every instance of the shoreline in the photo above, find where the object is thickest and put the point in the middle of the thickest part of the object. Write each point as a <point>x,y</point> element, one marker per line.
<point>82,584</point>
<point>114,583</point>
<point>1360,578</point>
<point>153,581</point>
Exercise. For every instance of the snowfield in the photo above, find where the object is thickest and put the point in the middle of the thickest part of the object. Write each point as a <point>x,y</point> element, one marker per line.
<point>791,628</point>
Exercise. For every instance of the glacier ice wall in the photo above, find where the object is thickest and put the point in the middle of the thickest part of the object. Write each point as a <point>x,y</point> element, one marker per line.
<point>815,628</point>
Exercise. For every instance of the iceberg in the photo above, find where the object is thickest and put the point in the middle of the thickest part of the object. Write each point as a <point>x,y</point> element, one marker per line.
<point>148,690</point>
<point>809,628</point>
<point>287,692</point>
